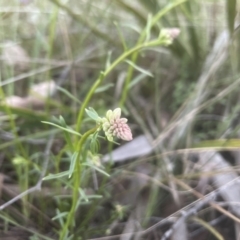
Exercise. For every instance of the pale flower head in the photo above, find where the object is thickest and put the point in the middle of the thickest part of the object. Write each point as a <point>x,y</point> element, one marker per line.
<point>169,34</point>
<point>114,126</point>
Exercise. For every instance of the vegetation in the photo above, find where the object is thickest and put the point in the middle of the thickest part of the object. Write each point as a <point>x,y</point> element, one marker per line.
<point>69,69</point>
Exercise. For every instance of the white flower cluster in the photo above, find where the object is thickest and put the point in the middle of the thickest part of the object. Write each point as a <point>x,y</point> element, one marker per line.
<point>115,126</point>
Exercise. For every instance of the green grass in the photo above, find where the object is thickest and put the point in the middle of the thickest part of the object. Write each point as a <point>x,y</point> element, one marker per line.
<point>108,54</point>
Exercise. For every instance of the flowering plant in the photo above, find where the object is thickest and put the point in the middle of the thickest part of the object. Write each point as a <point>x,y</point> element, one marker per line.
<point>112,124</point>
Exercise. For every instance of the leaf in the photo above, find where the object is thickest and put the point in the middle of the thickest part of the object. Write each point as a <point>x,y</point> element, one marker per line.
<point>94,146</point>
<point>60,215</point>
<point>171,5</point>
<point>73,163</point>
<point>136,80</point>
<point>94,143</point>
<point>62,121</point>
<point>194,42</point>
<point>94,196</point>
<point>96,168</point>
<point>67,93</point>
<point>219,143</point>
<point>55,176</point>
<point>67,129</point>
<point>139,68</point>
<point>231,13</point>
<point>104,88</point>
<point>92,114</point>
<point>125,48</point>
<point>83,195</point>
<point>148,27</point>
<point>108,62</point>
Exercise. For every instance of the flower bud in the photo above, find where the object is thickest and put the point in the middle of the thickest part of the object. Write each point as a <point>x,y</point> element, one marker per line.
<point>114,126</point>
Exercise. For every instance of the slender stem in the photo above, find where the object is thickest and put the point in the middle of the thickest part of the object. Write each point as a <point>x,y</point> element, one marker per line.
<point>154,21</point>
<point>77,182</point>
<point>106,72</point>
<point>127,80</point>
<point>87,99</point>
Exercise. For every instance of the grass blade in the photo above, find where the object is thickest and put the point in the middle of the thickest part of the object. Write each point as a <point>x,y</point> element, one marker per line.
<point>231,13</point>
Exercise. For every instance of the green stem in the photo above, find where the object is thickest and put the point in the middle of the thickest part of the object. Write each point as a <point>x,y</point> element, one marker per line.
<point>127,80</point>
<point>77,183</point>
<point>52,29</point>
<point>154,21</point>
<point>153,43</point>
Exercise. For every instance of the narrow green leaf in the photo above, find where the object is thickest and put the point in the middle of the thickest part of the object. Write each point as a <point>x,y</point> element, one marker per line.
<point>104,87</point>
<point>219,143</point>
<point>188,10</point>
<point>166,9</point>
<point>108,62</point>
<point>94,196</point>
<point>73,163</point>
<point>96,168</point>
<point>94,143</point>
<point>55,176</point>
<point>67,93</point>
<point>148,27</point>
<point>93,110</point>
<point>62,121</point>
<point>139,68</point>
<point>7,219</point>
<point>136,80</point>
<point>67,129</point>
<point>92,114</point>
<point>83,195</point>
<point>60,215</point>
<point>125,48</point>
<point>231,14</point>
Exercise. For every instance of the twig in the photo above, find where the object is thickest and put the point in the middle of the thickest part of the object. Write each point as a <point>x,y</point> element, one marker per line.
<point>38,186</point>
<point>185,215</point>
<point>189,210</point>
<point>209,199</point>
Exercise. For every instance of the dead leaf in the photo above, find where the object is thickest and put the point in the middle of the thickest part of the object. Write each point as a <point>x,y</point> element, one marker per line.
<point>228,183</point>
<point>38,93</point>
<point>43,90</point>
<point>16,102</point>
<point>15,56</point>
<point>139,146</point>
<point>36,98</point>
<point>180,229</point>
